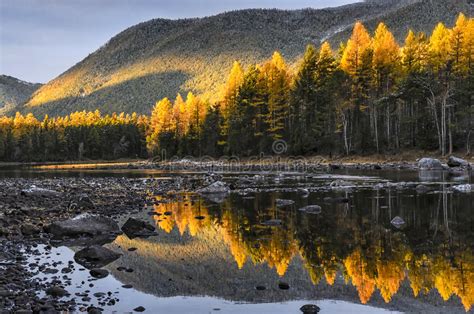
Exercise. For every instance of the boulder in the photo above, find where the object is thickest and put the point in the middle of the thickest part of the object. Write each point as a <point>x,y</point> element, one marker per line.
<point>95,256</point>
<point>458,162</point>
<point>430,164</point>
<point>83,226</point>
<point>464,188</point>
<point>311,209</point>
<point>137,228</point>
<point>215,187</point>
<point>29,229</point>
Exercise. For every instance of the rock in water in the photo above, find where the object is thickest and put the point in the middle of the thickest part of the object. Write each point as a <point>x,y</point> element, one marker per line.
<point>137,228</point>
<point>464,188</point>
<point>56,292</point>
<point>214,188</point>
<point>310,309</point>
<point>311,209</point>
<point>397,222</point>
<point>282,203</point>
<point>87,225</point>
<point>430,164</point>
<point>36,191</point>
<point>458,162</point>
<point>99,273</point>
<point>272,222</point>
<point>283,286</point>
<point>95,256</point>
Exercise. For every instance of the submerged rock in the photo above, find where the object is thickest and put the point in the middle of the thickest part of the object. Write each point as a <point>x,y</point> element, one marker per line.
<point>282,202</point>
<point>464,188</point>
<point>458,162</point>
<point>95,256</point>
<point>137,228</point>
<point>397,222</point>
<point>338,199</point>
<point>83,226</point>
<point>420,188</point>
<point>311,209</point>
<point>272,222</point>
<point>430,164</point>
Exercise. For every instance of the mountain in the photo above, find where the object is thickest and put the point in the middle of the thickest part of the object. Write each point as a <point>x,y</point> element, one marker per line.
<point>161,57</point>
<point>14,92</point>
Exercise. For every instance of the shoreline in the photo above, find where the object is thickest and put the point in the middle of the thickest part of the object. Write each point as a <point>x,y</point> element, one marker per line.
<point>405,160</point>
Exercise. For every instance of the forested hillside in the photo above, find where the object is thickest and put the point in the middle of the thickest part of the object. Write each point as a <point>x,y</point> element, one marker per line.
<point>160,58</point>
<point>14,92</point>
<point>369,95</point>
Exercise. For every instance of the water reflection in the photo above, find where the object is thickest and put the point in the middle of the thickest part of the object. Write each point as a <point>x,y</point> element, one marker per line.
<point>433,250</point>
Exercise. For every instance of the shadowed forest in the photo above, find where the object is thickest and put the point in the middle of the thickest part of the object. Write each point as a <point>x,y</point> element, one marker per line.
<point>369,95</point>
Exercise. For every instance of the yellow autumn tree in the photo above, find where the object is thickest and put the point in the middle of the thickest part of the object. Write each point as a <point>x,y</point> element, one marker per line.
<point>230,90</point>
<point>385,53</point>
<point>440,46</point>
<point>160,121</point>
<point>414,53</point>
<point>355,48</point>
<point>277,78</point>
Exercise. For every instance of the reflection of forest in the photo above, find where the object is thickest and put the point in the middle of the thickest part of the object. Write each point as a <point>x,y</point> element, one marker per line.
<point>368,254</point>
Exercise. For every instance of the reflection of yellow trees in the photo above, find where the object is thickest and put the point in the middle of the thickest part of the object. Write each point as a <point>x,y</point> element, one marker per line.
<point>357,268</point>
<point>450,276</point>
<point>231,236</point>
<point>278,250</point>
<point>367,269</point>
<point>390,275</point>
<point>182,214</point>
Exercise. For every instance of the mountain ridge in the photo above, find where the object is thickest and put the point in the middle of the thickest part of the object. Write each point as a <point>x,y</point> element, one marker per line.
<point>14,92</point>
<point>160,57</point>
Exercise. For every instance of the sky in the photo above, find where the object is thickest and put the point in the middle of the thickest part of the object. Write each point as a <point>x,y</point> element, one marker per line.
<point>40,39</point>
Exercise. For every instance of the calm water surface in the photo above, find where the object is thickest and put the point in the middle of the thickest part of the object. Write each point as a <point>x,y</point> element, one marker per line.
<point>210,255</point>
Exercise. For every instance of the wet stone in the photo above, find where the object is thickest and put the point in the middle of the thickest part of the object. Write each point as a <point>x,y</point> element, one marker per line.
<point>139,309</point>
<point>310,309</point>
<point>283,286</point>
<point>99,273</point>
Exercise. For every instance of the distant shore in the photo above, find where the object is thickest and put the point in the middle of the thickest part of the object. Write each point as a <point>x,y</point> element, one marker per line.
<point>406,159</point>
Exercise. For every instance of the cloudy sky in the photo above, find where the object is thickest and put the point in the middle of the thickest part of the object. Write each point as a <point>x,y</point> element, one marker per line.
<point>40,39</point>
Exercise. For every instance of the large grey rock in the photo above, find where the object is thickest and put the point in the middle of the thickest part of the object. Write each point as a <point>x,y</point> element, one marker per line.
<point>216,187</point>
<point>137,228</point>
<point>458,162</point>
<point>430,164</point>
<point>464,188</point>
<point>83,226</point>
<point>95,256</point>
<point>39,192</point>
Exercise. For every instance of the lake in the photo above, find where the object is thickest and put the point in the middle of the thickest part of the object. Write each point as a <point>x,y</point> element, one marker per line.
<point>379,240</point>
